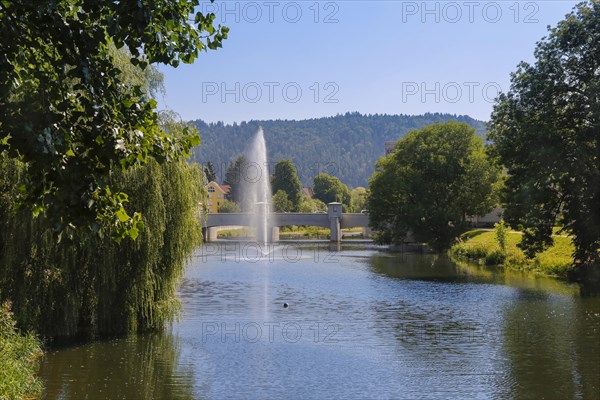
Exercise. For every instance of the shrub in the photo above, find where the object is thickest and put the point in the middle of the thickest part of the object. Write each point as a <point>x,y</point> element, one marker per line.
<point>19,356</point>
<point>494,258</point>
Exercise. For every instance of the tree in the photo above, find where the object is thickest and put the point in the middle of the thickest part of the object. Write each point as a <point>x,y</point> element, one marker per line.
<point>309,205</point>
<point>234,177</point>
<point>285,178</point>
<point>229,207</point>
<point>68,114</point>
<point>436,177</point>
<point>281,203</point>
<point>209,172</point>
<point>546,134</point>
<point>96,287</point>
<point>358,198</point>
<point>328,189</point>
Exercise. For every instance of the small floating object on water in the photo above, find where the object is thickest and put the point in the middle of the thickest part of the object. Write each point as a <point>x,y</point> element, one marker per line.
<point>285,305</point>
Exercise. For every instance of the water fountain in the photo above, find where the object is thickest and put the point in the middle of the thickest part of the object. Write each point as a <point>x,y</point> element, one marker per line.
<point>257,186</point>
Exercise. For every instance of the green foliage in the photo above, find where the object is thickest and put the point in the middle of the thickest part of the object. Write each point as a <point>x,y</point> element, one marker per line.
<point>294,232</point>
<point>482,246</point>
<point>209,172</point>
<point>346,145</point>
<point>309,205</point>
<point>545,133</point>
<point>235,178</point>
<point>495,258</point>
<point>229,207</point>
<point>281,203</point>
<point>237,233</point>
<point>19,357</point>
<point>96,287</point>
<point>73,108</point>
<point>285,178</point>
<point>436,177</point>
<point>358,199</point>
<point>500,231</point>
<point>329,189</point>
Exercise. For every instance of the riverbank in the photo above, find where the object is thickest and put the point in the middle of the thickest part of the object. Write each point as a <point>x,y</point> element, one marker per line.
<point>481,246</point>
<point>292,233</point>
<point>19,359</point>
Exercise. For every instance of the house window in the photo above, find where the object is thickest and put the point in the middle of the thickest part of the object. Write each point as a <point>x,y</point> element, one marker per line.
<point>220,196</point>
<point>211,189</point>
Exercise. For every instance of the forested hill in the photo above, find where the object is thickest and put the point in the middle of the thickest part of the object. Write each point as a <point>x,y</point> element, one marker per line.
<point>346,146</point>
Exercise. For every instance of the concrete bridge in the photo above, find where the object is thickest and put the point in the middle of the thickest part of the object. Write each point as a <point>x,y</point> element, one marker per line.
<point>334,219</point>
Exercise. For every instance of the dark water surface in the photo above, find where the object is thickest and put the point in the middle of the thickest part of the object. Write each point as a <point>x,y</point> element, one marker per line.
<point>360,324</point>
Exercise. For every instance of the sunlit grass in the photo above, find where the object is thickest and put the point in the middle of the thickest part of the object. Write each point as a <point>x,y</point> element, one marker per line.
<point>236,233</point>
<point>481,245</point>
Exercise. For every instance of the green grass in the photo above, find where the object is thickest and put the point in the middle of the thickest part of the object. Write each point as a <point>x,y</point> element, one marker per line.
<point>236,233</point>
<point>481,245</point>
<point>19,357</point>
<point>304,231</point>
<point>286,232</point>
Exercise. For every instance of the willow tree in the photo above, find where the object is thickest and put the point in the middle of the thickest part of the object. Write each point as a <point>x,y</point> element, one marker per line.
<point>546,132</point>
<point>87,163</point>
<point>96,287</point>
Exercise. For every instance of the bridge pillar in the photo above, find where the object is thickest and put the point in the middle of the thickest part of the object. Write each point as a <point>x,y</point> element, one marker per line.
<point>210,234</point>
<point>334,212</point>
<point>275,234</point>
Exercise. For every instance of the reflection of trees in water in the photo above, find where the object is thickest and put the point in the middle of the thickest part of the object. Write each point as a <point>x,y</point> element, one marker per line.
<point>538,339</point>
<point>140,367</point>
<point>415,266</point>
<point>552,346</point>
<point>439,331</point>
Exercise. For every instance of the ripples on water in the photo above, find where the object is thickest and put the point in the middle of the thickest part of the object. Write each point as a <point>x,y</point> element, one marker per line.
<point>360,324</point>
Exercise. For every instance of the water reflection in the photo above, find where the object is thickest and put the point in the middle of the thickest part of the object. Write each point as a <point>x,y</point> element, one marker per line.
<point>547,345</point>
<point>360,324</point>
<point>142,367</point>
<point>555,353</point>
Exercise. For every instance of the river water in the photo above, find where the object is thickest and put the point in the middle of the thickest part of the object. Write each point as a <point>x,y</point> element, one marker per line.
<point>359,324</point>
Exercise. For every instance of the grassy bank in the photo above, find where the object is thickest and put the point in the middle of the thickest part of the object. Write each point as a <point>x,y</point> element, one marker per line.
<point>306,232</point>
<point>19,357</point>
<point>481,246</point>
<point>289,232</point>
<point>236,233</point>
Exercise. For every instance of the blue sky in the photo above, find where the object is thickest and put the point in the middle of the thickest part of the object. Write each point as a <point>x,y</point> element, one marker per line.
<point>308,59</point>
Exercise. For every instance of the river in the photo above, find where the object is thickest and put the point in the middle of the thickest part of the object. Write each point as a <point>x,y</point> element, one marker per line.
<point>360,323</point>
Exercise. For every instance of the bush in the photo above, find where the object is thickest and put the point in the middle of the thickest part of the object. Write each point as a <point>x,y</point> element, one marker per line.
<point>229,207</point>
<point>19,356</point>
<point>495,258</point>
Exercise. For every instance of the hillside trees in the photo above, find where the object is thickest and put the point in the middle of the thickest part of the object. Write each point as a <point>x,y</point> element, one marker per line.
<point>345,145</point>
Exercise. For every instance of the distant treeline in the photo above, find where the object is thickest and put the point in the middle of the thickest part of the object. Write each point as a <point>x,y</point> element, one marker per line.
<point>345,146</point>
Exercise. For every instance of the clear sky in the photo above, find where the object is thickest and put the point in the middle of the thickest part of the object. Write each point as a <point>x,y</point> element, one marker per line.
<point>307,59</point>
